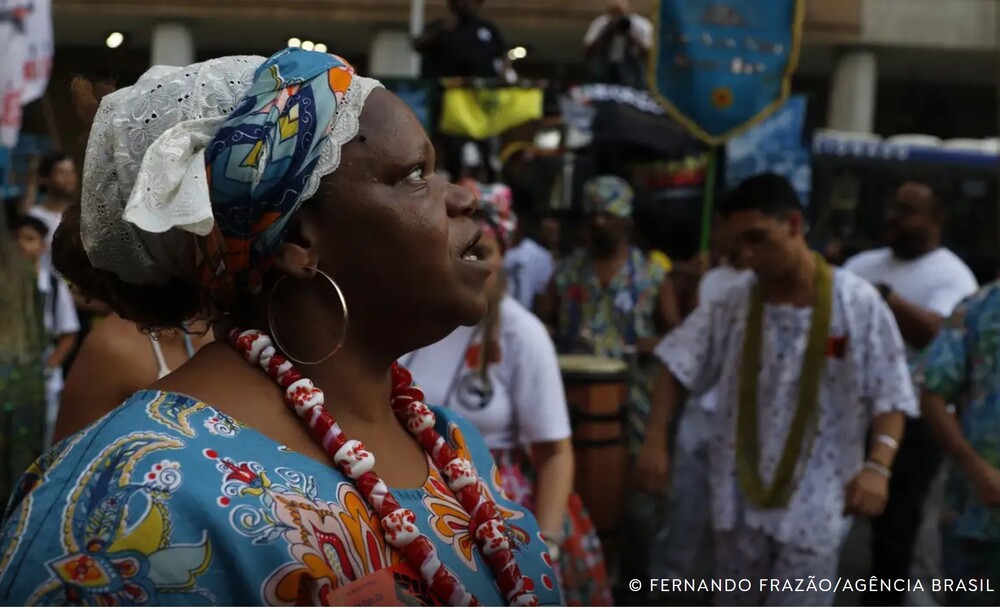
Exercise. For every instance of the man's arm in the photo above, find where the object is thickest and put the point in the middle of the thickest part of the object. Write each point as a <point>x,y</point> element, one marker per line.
<point>887,429</point>
<point>920,322</point>
<point>946,430</point>
<point>640,35</point>
<point>652,468</point>
<point>505,67</point>
<point>669,316</point>
<point>598,36</point>
<point>666,316</point>
<point>692,362</point>
<point>432,34</point>
<point>917,324</point>
<point>547,307</point>
<point>944,374</point>
<point>868,492</point>
<point>887,386</point>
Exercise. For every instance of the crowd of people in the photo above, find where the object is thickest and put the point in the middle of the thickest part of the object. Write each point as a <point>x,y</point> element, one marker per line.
<point>251,311</point>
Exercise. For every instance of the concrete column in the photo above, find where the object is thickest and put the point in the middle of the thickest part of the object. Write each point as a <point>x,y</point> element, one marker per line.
<point>417,17</point>
<point>392,56</point>
<point>172,44</point>
<point>853,92</point>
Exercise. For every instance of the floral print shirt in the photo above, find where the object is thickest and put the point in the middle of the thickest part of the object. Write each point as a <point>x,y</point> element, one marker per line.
<point>962,365</point>
<point>167,501</point>
<point>604,321</point>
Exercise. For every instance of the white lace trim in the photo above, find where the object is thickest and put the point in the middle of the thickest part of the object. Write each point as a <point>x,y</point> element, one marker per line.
<point>145,191</point>
<point>343,128</point>
<point>128,123</point>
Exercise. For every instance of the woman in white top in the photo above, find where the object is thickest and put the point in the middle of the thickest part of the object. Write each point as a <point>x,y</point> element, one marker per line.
<point>115,361</point>
<point>503,376</point>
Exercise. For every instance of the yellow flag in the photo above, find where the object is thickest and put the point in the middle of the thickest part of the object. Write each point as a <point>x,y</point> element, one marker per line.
<point>483,113</point>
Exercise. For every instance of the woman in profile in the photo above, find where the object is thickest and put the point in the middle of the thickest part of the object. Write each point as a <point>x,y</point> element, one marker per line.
<point>292,204</point>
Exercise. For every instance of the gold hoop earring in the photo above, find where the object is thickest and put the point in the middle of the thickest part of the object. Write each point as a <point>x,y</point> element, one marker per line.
<point>274,333</point>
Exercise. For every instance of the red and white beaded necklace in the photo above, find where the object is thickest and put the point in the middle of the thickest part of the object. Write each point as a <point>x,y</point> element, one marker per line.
<point>399,524</point>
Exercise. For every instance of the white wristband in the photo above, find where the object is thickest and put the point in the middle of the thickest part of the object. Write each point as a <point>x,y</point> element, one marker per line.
<point>881,470</point>
<point>887,441</point>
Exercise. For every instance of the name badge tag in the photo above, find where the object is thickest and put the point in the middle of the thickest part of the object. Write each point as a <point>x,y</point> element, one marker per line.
<point>396,586</point>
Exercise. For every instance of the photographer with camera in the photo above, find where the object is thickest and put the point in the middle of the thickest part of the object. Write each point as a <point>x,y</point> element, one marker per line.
<point>617,45</point>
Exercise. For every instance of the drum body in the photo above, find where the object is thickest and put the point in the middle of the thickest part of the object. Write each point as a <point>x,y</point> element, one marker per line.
<point>596,392</point>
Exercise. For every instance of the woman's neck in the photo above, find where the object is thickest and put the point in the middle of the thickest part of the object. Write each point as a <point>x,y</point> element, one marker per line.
<point>357,379</point>
<point>357,386</point>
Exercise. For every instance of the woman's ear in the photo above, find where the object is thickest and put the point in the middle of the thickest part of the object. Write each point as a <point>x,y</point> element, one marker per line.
<point>299,255</point>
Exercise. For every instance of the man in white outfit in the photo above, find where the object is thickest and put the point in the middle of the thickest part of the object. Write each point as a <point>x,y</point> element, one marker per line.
<point>813,390</point>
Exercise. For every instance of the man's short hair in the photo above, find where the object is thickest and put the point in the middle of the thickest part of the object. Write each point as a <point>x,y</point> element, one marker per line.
<point>768,193</point>
<point>27,221</point>
<point>50,161</point>
<point>935,203</point>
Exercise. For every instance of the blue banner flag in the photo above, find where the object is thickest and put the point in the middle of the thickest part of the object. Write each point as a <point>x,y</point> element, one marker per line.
<point>719,66</point>
<point>774,145</point>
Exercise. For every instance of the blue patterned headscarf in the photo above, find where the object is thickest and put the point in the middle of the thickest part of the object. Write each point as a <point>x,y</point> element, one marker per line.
<point>211,160</point>
<point>608,194</point>
<point>269,156</point>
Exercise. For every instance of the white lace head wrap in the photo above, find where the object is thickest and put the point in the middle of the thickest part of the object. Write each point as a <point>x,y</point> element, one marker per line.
<point>203,150</point>
<point>142,154</point>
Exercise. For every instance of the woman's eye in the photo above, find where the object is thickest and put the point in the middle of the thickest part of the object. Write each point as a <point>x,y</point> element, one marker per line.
<point>416,175</point>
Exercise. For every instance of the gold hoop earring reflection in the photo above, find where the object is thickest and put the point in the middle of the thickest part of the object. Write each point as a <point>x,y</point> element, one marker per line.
<point>274,333</point>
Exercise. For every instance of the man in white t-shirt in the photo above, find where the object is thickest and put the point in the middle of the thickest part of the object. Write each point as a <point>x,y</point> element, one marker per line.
<point>617,45</point>
<point>922,282</point>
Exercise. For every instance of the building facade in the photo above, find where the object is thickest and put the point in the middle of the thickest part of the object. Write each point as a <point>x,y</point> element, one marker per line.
<point>883,66</point>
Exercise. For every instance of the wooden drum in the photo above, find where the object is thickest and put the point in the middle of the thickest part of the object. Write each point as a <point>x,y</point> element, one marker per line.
<point>596,392</point>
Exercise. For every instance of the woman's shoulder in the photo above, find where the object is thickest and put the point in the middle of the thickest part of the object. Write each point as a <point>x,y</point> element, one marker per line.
<point>148,422</point>
<point>148,498</point>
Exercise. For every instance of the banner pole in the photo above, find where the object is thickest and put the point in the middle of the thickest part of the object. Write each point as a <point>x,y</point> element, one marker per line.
<point>708,208</point>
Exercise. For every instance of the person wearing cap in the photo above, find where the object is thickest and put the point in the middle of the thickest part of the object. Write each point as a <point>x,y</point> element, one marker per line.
<point>609,301</point>
<point>503,376</point>
<point>813,390</point>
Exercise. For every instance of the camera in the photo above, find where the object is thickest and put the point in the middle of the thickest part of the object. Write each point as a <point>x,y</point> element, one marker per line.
<point>625,24</point>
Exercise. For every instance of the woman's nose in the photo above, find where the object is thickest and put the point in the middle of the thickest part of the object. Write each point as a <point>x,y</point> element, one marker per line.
<point>460,200</point>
